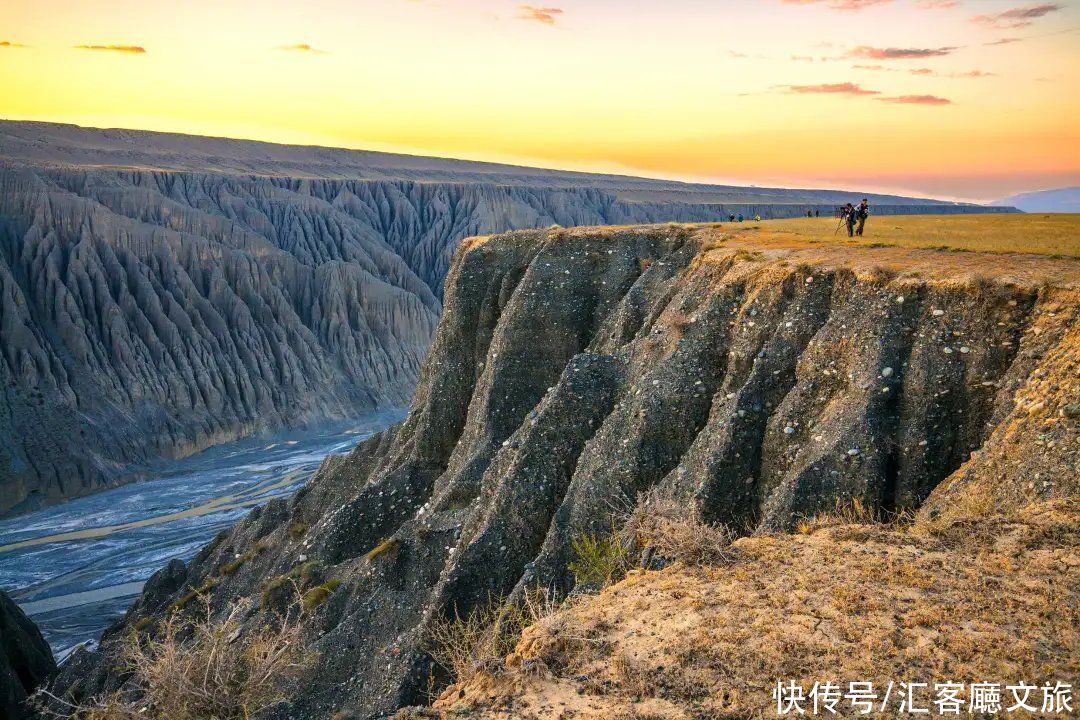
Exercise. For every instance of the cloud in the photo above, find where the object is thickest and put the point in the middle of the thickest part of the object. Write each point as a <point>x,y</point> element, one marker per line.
<point>846,88</point>
<point>936,4</point>
<point>916,100</point>
<point>872,53</point>
<point>9,44</point>
<point>546,15</point>
<point>842,5</point>
<point>802,58</point>
<point>132,49</point>
<point>927,72</point>
<point>1017,17</point>
<point>303,48</point>
<point>1005,41</point>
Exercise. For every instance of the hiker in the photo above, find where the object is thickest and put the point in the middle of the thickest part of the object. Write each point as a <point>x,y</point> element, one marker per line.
<point>862,212</point>
<point>731,217</point>
<point>817,213</point>
<point>740,217</point>
<point>809,213</point>
<point>848,215</point>
<point>757,218</point>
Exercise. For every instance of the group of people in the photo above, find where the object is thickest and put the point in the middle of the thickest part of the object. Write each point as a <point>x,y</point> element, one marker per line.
<point>854,216</point>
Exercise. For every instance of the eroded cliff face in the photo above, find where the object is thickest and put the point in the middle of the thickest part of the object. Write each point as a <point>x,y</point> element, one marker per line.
<point>575,369</point>
<point>150,314</point>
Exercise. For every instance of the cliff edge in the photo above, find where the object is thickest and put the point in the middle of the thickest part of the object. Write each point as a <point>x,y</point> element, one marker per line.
<point>763,378</point>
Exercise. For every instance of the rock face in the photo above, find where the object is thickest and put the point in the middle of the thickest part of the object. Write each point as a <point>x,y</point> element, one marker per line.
<point>575,369</point>
<point>147,316</point>
<point>241,286</point>
<point>25,659</point>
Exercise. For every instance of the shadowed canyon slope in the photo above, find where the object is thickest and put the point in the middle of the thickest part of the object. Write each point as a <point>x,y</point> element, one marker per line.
<point>763,378</point>
<point>161,293</point>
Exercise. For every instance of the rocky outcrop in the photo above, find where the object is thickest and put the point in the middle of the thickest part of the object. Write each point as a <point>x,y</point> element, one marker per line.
<point>25,659</point>
<point>572,370</point>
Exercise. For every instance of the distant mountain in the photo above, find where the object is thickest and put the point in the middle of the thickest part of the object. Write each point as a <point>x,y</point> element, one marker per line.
<point>1060,200</point>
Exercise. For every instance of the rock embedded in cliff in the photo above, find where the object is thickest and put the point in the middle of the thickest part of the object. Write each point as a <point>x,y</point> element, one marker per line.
<point>25,660</point>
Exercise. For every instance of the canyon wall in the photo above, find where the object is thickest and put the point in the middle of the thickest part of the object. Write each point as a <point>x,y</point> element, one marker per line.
<point>763,380</point>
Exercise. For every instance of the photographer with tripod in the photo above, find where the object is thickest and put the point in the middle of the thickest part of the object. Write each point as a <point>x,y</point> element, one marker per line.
<point>846,215</point>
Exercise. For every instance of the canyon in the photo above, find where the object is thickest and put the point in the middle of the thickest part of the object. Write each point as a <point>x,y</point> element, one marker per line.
<point>162,293</point>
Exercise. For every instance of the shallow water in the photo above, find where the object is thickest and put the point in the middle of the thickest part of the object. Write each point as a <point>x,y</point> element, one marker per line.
<point>75,568</point>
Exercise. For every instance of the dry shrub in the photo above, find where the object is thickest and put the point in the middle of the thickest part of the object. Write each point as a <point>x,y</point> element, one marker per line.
<point>479,642</point>
<point>193,670</point>
<point>599,560</point>
<point>850,511</point>
<point>673,528</point>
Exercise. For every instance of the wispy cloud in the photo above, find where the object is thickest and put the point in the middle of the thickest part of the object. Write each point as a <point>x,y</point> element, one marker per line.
<point>1005,41</point>
<point>841,5</point>
<point>545,15</point>
<point>303,48</point>
<point>846,88</point>
<point>916,100</point>
<point>926,72</point>
<point>937,4</point>
<point>10,44</point>
<point>867,52</point>
<point>1017,17</point>
<point>131,49</point>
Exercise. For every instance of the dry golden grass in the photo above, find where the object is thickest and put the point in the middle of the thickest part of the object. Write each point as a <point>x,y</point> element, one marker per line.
<point>847,602</point>
<point>477,643</point>
<point>1042,234</point>
<point>199,669</point>
<point>673,530</point>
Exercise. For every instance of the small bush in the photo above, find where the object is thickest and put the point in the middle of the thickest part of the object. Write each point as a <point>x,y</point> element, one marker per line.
<point>199,670</point>
<point>673,528</point>
<point>599,560</point>
<point>749,255</point>
<point>229,568</point>
<point>480,641</point>
<point>276,592</point>
<point>205,589</point>
<point>297,530</point>
<point>316,596</point>
<point>388,545</point>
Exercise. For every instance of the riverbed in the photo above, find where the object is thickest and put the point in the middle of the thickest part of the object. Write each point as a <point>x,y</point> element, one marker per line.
<point>75,568</point>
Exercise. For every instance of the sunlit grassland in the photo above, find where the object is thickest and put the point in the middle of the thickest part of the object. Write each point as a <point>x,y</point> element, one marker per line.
<point>1043,234</point>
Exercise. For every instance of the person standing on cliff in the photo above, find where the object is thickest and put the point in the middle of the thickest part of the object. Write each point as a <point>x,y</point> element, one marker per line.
<point>862,212</point>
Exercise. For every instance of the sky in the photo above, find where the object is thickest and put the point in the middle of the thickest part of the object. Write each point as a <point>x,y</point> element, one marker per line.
<point>962,99</point>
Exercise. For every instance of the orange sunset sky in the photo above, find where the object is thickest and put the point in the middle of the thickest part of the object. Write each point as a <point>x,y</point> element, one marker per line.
<point>970,99</point>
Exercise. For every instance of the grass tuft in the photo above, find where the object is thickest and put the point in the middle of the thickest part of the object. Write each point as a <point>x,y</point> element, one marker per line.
<point>386,546</point>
